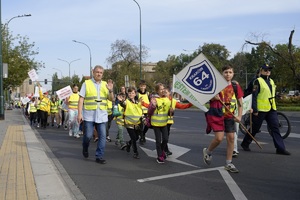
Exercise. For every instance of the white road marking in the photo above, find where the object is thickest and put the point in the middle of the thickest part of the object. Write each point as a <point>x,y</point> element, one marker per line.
<point>233,187</point>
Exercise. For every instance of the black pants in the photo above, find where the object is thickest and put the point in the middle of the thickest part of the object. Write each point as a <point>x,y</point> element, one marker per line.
<point>272,121</point>
<point>32,118</point>
<point>39,116</point>
<point>134,135</point>
<point>44,118</point>
<point>166,149</point>
<point>161,139</point>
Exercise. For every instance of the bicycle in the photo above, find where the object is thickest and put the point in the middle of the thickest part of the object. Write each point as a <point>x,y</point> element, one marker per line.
<point>284,124</point>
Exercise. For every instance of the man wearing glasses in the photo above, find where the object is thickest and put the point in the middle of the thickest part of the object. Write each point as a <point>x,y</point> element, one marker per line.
<point>264,108</point>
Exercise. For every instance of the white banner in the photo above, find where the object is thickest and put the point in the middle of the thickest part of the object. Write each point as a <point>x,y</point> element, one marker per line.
<point>247,103</point>
<point>64,92</point>
<point>25,100</point>
<point>33,75</point>
<point>36,91</point>
<point>202,79</point>
<point>181,89</point>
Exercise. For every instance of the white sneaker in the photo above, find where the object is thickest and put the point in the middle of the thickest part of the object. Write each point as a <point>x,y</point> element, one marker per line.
<point>231,168</point>
<point>77,136</point>
<point>206,158</point>
<point>70,133</point>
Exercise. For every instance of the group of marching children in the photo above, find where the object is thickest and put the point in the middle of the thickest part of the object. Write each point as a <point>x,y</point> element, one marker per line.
<point>45,111</point>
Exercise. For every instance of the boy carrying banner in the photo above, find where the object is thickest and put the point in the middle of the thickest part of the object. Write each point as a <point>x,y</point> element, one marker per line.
<point>221,119</point>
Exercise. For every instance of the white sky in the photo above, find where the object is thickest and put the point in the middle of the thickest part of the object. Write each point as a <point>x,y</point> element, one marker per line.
<point>168,27</point>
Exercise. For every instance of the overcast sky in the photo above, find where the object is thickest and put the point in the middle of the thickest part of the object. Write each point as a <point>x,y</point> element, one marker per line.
<point>168,27</point>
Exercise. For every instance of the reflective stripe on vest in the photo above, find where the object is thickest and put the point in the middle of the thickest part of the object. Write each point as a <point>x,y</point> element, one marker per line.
<point>73,101</point>
<point>133,113</point>
<point>266,99</point>
<point>146,100</point>
<point>38,105</point>
<point>91,96</point>
<point>160,115</point>
<point>32,108</point>
<point>170,118</point>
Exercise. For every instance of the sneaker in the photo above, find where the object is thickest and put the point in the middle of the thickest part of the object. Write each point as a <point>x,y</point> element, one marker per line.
<point>283,152</point>
<point>235,154</point>
<point>77,136</point>
<point>136,156</point>
<point>70,133</point>
<point>168,153</point>
<point>58,126</point>
<point>123,146</point>
<point>206,158</point>
<point>38,126</point>
<point>108,139</point>
<point>160,160</point>
<point>66,127</point>
<point>96,139</point>
<point>85,152</point>
<point>100,161</point>
<point>231,168</point>
<point>80,133</point>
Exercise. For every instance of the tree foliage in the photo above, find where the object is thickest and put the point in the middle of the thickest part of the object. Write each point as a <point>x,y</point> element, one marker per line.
<point>19,53</point>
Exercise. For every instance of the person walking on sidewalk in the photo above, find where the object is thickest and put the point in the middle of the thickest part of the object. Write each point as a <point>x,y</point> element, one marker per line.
<point>92,111</point>
<point>44,107</point>
<point>72,102</point>
<point>132,118</point>
<point>221,120</point>
<point>264,108</point>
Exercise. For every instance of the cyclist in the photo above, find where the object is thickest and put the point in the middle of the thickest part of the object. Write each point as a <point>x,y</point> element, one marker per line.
<point>264,108</point>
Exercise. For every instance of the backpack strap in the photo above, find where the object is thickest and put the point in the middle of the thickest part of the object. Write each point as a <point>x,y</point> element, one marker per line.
<point>234,85</point>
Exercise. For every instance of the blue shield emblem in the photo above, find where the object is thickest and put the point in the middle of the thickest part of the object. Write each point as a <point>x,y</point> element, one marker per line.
<point>201,78</point>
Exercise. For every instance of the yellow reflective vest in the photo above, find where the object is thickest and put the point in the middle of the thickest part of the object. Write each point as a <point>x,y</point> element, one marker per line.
<point>133,113</point>
<point>160,115</point>
<point>73,101</point>
<point>32,108</point>
<point>266,98</point>
<point>54,107</point>
<point>109,107</point>
<point>173,105</point>
<point>146,100</point>
<point>91,96</point>
<point>120,119</point>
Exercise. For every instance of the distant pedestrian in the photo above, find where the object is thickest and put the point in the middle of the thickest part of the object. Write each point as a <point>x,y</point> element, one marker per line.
<point>72,103</point>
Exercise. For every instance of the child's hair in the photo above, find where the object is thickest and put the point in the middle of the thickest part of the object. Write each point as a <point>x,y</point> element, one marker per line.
<point>142,82</point>
<point>75,85</point>
<point>157,86</point>
<point>131,89</point>
<point>227,66</point>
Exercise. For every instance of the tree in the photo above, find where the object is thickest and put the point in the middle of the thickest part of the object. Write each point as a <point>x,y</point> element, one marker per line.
<point>124,58</point>
<point>217,54</point>
<point>285,59</point>
<point>19,53</point>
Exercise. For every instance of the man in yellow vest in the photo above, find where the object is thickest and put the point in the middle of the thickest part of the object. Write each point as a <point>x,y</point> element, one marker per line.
<point>264,108</point>
<point>72,103</point>
<point>92,111</point>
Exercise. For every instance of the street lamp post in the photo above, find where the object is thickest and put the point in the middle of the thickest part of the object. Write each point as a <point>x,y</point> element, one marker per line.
<point>140,39</point>
<point>61,76</point>
<point>90,55</point>
<point>2,116</point>
<point>69,65</point>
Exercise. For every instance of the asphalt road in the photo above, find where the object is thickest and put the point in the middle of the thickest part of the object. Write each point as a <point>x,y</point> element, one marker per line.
<point>263,174</point>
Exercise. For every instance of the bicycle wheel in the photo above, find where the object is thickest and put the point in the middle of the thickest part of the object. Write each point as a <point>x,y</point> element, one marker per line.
<point>284,125</point>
